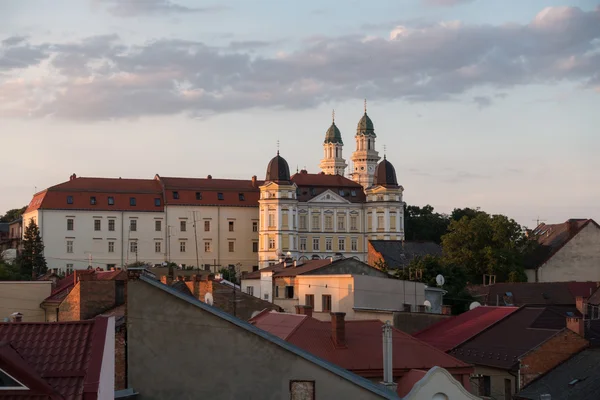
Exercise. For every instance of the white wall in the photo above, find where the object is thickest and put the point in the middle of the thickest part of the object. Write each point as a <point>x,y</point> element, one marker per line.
<point>255,284</point>
<point>387,294</point>
<point>339,287</point>
<point>106,389</point>
<point>24,297</point>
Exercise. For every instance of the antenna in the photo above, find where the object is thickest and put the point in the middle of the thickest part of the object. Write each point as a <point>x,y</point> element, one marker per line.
<point>333,116</point>
<point>474,304</point>
<point>365,106</point>
<point>538,220</point>
<point>384,151</point>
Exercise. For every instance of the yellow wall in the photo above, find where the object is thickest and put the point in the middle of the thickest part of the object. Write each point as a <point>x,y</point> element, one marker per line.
<point>24,297</point>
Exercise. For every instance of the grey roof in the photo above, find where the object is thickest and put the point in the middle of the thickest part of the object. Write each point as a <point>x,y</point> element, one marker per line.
<point>4,226</point>
<point>578,378</point>
<point>398,253</point>
<point>342,373</point>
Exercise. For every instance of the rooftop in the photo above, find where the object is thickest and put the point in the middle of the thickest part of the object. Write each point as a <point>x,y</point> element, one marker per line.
<point>533,293</point>
<point>398,253</point>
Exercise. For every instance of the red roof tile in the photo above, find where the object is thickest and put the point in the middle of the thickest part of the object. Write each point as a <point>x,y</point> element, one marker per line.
<point>449,333</point>
<point>279,270</point>
<point>312,185</point>
<point>66,355</point>
<point>234,192</point>
<point>362,354</point>
<point>408,381</point>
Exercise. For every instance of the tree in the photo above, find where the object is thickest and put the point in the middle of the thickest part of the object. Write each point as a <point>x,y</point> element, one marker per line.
<point>487,244</point>
<point>381,265</point>
<point>31,260</point>
<point>424,224</point>
<point>13,214</point>
<point>10,271</point>
<point>455,280</point>
<point>459,213</point>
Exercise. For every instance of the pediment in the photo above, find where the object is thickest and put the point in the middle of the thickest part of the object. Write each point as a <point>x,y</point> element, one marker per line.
<point>330,197</point>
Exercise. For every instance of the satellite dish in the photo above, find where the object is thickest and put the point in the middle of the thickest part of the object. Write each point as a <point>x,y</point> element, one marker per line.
<point>440,280</point>
<point>474,304</point>
<point>208,299</point>
<point>427,304</point>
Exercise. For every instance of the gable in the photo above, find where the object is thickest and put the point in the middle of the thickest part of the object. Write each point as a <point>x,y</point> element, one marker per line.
<point>329,197</point>
<point>439,381</point>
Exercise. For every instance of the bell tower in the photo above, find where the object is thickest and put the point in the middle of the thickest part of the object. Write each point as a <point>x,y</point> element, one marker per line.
<point>333,163</point>
<point>365,157</point>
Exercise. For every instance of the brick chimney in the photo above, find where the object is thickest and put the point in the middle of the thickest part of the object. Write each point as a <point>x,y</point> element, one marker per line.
<point>338,329</point>
<point>200,285</point>
<point>577,325</point>
<point>16,317</point>
<point>253,180</point>
<point>304,310</point>
<point>581,305</point>
<point>572,226</point>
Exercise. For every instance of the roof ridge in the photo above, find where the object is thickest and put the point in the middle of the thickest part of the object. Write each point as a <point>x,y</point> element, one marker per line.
<point>293,331</point>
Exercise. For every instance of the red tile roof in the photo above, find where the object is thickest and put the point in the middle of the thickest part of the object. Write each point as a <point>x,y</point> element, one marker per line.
<point>363,352</point>
<point>449,333</point>
<point>533,293</point>
<point>279,270</point>
<point>61,360</point>
<point>312,185</point>
<point>235,192</point>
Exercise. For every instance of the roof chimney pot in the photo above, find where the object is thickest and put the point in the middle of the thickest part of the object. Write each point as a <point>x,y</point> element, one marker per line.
<point>338,329</point>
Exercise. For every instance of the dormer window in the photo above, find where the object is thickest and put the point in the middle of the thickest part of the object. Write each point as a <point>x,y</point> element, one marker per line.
<point>69,199</point>
<point>220,196</point>
<point>7,382</point>
<point>353,193</point>
<point>111,201</point>
<point>198,195</point>
<point>132,201</point>
<point>157,202</point>
<point>312,191</point>
<point>176,195</point>
<point>342,193</point>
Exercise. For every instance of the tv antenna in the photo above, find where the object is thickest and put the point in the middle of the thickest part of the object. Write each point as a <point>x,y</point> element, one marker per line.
<point>538,220</point>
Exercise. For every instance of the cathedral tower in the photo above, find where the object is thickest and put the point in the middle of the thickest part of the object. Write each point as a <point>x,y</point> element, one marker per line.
<point>333,163</point>
<point>365,158</point>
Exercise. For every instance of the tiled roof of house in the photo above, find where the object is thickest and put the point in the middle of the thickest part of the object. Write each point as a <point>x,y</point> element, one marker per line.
<point>362,353</point>
<point>398,253</point>
<point>331,367</point>
<point>575,379</point>
<point>57,360</point>
<point>234,192</point>
<point>594,298</point>
<point>449,333</point>
<point>552,238</point>
<point>289,270</point>
<point>501,344</point>
<point>533,293</point>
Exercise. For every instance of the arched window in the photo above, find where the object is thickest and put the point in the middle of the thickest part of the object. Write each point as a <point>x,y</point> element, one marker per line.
<point>337,152</point>
<point>369,143</point>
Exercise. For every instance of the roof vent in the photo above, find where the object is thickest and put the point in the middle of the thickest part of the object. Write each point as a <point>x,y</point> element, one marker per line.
<point>209,177</point>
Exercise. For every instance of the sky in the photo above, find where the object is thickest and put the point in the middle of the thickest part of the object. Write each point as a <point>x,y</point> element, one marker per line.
<point>479,103</point>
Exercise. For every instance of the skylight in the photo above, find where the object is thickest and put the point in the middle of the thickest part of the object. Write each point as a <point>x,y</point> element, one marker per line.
<point>7,382</point>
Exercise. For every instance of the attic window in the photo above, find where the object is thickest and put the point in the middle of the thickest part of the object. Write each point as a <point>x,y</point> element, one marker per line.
<point>312,191</point>
<point>69,199</point>
<point>220,196</point>
<point>353,193</point>
<point>176,195</point>
<point>7,382</point>
<point>198,195</point>
<point>93,200</point>
<point>509,294</point>
<point>111,201</point>
<point>241,197</point>
<point>342,193</point>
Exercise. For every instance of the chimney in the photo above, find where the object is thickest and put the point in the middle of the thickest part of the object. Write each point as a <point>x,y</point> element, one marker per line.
<point>209,177</point>
<point>421,308</point>
<point>572,226</point>
<point>16,317</point>
<point>576,324</point>
<point>338,329</point>
<point>304,310</point>
<point>446,310</point>
<point>388,367</point>
<point>181,278</point>
<point>330,260</point>
<point>253,180</point>
<point>200,285</point>
<point>406,307</point>
<point>580,304</point>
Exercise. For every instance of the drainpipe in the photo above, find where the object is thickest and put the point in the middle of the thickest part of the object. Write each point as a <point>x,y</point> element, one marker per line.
<point>122,240</point>
<point>219,236</point>
<point>388,376</point>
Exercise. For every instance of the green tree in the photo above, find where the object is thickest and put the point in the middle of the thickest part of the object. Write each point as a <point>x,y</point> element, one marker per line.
<point>13,214</point>
<point>31,260</point>
<point>422,223</point>
<point>10,271</point>
<point>455,284</point>
<point>381,265</point>
<point>487,244</point>
<point>459,213</point>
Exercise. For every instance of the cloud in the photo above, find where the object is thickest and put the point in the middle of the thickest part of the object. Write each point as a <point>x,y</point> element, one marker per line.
<point>133,8</point>
<point>102,78</point>
<point>446,3</point>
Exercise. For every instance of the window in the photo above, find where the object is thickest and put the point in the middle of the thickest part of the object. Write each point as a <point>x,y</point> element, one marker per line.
<point>133,248</point>
<point>342,192</point>
<point>289,292</point>
<point>183,226</point>
<point>69,199</point>
<point>353,193</point>
<point>111,201</point>
<point>111,224</point>
<point>329,222</point>
<point>220,196</point>
<point>328,244</point>
<point>303,244</point>
<point>70,223</point>
<point>207,248</point>
<point>241,197</point>
<point>157,202</point>
<point>315,223</point>
<point>231,247</point>
<point>206,226</point>
<point>69,269</point>
<point>507,389</point>
<point>255,247</point>
<point>69,246</point>
<point>93,200</point>
<point>133,225</point>
<point>176,195</point>
<point>254,226</point>
<point>392,221</point>
<point>271,219</point>
<point>111,247</point>
<point>158,225</point>
<point>341,222</point>
<point>119,291</point>
<point>326,303</point>
<point>97,224</point>
<point>354,244</point>
<point>483,385</point>
<point>276,292</point>
<point>230,226</point>
<point>309,300</point>
<point>198,195</point>
<point>250,290</point>
<point>266,296</point>
<point>316,244</point>
<point>303,222</point>
<point>132,201</point>
<point>380,223</point>
<point>182,247</point>
<point>271,243</point>
<point>353,223</point>
<point>302,390</point>
<point>157,247</point>
<point>342,244</point>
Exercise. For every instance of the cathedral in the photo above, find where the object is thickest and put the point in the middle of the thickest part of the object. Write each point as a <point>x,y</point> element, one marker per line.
<point>314,216</point>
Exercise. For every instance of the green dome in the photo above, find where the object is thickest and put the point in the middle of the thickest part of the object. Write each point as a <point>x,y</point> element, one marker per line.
<point>333,135</point>
<point>365,126</point>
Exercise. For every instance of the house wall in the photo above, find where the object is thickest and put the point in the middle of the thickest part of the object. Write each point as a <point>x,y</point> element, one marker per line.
<point>24,297</point>
<point>387,294</point>
<point>70,308</point>
<point>106,388</point>
<point>497,379</point>
<point>120,359</point>
<point>551,353</point>
<point>436,384</point>
<point>578,260</point>
<point>193,360</point>
<point>339,287</point>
